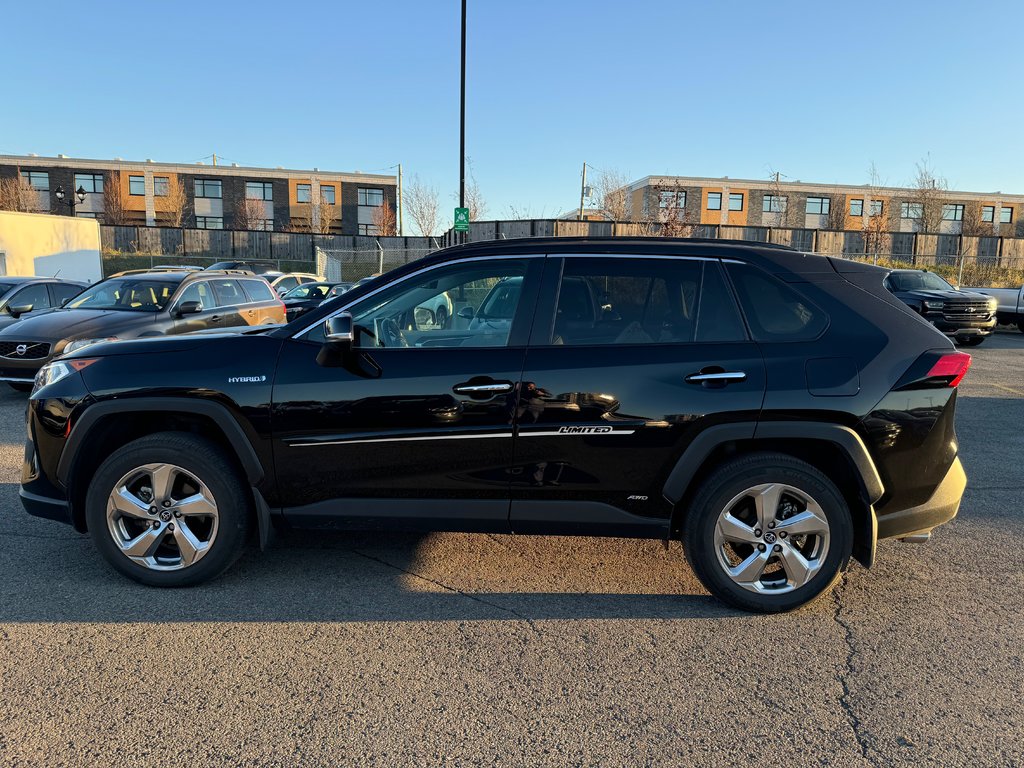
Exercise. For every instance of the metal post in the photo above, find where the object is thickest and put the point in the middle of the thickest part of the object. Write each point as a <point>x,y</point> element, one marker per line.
<point>583,189</point>
<point>400,230</point>
<point>462,121</point>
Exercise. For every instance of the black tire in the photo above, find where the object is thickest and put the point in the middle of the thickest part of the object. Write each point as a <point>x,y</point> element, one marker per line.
<point>1020,326</point>
<point>19,386</point>
<point>442,318</point>
<point>733,478</point>
<point>971,341</point>
<point>205,461</point>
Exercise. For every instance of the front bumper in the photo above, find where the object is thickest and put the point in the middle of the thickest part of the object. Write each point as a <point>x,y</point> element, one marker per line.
<point>940,508</point>
<point>962,328</point>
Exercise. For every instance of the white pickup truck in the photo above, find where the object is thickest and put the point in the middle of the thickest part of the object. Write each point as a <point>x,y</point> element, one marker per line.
<point>1011,304</point>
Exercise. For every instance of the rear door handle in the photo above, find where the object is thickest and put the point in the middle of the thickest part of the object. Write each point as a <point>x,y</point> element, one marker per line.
<point>721,377</point>
<point>488,388</point>
<point>215,319</point>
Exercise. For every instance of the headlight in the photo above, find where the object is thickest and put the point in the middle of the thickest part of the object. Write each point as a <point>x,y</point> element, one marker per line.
<point>54,372</point>
<point>933,304</point>
<point>80,343</point>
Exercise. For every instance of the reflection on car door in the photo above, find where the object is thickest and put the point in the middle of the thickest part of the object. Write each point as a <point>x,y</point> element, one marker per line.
<point>618,380</point>
<point>391,434</point>
<point>201,292</point>
<point>230,303</point>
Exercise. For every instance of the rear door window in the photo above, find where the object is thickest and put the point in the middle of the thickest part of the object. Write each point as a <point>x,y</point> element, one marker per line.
<point>228,293</point>
<point>775,311</point>
<point>258,290</point>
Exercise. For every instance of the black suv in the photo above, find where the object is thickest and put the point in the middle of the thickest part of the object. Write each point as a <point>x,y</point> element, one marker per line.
<point>967,317</point>
<point>779,412</point>
<point>134,305</point>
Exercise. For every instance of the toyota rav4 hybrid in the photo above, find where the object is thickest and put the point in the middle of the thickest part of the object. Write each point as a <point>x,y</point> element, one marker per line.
<point>778,412</point>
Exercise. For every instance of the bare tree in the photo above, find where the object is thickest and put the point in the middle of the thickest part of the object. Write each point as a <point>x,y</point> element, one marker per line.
<point>874,222</point>
<point>315,217</point>
<point>114,211</point>
<point>612,195</point>
<point>424,207</point>
<point>175,202</point>
<point>17,195</point>
<point>972,225</point>
<point>779,204</point>
<point>474,197</point>
<point>929,191</point>
<point>836,218</point>
<point>384,219</point>
<point>249,214</point>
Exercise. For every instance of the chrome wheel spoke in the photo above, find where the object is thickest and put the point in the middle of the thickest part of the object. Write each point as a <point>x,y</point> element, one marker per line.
<point>806,522</point>
<point>189,546</point>
<point>798,569</point>
<point>766,501</point>
<point>145,544</point>
<point>162,476</point>
<point>127,503</point>
<point>196,504</point>
<point>733,529</point>
<point>750,570</point>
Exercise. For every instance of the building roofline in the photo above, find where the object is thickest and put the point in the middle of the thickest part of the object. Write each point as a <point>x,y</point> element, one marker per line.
<point>889,191</point>
<point>226,170</point>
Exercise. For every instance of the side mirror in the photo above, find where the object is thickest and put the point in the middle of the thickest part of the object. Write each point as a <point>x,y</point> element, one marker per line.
<point>339,330</point>
<point>466,313</point>
<point>424,317</point>
<point>188,308</point>
<point>64,302</point>
<point>22,309</point>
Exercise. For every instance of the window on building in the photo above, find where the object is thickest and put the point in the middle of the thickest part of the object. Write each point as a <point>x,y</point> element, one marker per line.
<point>736,201</point>
<point>136,185</point>
<point>911,210</point>
<point>953,212</point>
<point>209,222</point>
<point>37,180</point>
<point>818,206</point>
<point>90,182</point>
<point>327,193</point>
<point>374,197</point>
<point>856,206</point>
<point>88,214</point>
<point>988,213</point>
<point>161,186</point>
<point>368,229</point>
<point>672,199</point>
<point>265,225</point>
<point>1005,215</point>
<point>208,188</point>
<point>714,201</point>
<point>876,208</point>
<point>774,204</point>
<point>303,193</point>
<point>259,190</point>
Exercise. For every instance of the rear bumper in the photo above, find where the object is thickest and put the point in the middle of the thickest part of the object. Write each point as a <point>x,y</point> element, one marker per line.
<point>940,508</point>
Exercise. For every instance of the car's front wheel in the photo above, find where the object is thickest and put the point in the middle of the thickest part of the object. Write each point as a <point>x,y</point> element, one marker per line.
<point>768,532</point>
<point>169,510</point>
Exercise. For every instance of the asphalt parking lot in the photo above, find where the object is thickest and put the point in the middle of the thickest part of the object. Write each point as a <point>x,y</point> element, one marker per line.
<point>455,649</point>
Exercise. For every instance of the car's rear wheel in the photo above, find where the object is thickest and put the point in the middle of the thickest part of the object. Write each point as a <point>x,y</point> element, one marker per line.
<point>768,533</point>
<point>169,510</point>
<point>442,317</point>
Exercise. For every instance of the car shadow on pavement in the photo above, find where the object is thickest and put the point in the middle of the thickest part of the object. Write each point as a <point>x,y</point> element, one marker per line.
<point>58,576</point>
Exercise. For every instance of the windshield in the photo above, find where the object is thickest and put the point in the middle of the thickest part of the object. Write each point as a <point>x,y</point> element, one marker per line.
<point>126,294</point>
<point>307,291</point>
<point>919,281</point>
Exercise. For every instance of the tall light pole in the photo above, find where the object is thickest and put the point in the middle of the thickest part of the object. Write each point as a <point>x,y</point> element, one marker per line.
<point>400,232</point>
<point>583,190</point>
<point>462,121</point>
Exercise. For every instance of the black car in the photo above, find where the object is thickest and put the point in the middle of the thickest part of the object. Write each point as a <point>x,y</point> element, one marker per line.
<point>307,296</point>
<point>20,296</point>
<point>778,412</point>
<point>130,306</point>
<point>969,318</point>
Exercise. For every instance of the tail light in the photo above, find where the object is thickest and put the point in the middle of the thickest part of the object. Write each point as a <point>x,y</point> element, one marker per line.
<point>950,369</point>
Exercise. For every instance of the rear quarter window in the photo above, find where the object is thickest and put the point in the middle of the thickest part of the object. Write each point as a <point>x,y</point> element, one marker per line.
<point>258,290</point>
<point>775,311</point>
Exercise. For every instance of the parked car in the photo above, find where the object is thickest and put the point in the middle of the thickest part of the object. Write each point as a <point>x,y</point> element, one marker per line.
<point>256,266</point>
<point>969,318</point>
<point>133,306</point>
<point>778,412</point>
<point>1009,304</point>
<point>305,297</point>
<point>339,289</point>
<point>283,282</point>
<point>21,296</point>
<point>184,267</point>
<point>435,311</point>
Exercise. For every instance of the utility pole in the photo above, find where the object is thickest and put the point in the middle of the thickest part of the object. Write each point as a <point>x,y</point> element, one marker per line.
<point>462,121</point>
<point>400,231</point>
<point>214,158</point>
<point>583,190</point>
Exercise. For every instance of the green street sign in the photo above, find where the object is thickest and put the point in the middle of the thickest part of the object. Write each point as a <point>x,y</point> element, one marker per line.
<point>462,219</point>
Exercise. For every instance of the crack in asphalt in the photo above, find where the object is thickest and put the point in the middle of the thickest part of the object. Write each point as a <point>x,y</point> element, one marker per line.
<point>511,611</point>
<point>851,651</point>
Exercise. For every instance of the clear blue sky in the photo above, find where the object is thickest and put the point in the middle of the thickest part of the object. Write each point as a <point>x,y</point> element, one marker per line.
<point>816,90</point>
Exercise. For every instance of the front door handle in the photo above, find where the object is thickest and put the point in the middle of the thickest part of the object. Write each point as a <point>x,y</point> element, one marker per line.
<point>215,319</point>
<point>482,388</point>
<point>719,377</point>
